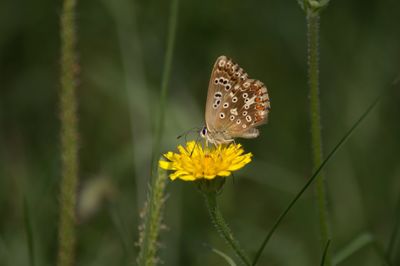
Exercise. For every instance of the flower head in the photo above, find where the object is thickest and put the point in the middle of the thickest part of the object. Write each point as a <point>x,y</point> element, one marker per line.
<point>194,162</point>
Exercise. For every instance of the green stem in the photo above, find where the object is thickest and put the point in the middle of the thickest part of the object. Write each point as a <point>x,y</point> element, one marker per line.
<point>222,227</point>
<point>173,20</point>
<point>69,137</point>
<point>326,249</point>
<point>152,221</point>
<point>316,139</point>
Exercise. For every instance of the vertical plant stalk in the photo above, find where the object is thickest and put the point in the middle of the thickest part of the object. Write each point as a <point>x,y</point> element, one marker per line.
<point>69,137</point>
<point>173,20</point>
<point>152,216</point>
<point>316,139</point>
<point>222,227</point>
<point>150,229</point>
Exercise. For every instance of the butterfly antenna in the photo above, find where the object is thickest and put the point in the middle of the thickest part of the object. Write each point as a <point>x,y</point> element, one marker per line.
<point>185,133</point>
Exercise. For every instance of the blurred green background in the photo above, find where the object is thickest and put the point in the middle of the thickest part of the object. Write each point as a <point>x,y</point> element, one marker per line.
<point>121,53</point>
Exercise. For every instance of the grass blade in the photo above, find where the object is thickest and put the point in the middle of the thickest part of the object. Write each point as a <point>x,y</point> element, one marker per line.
<point>29,233</point>
<point>228,259</point>
<point>355,245</point>
<point>173,21</point>
<point>312,178</point>
<point>325,252</point>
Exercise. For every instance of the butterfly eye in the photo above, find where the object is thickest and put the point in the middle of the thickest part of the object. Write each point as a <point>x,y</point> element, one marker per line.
<point>203,132</point>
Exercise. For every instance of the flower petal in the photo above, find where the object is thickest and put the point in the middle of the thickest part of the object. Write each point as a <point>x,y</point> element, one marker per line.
<point>193,161</point>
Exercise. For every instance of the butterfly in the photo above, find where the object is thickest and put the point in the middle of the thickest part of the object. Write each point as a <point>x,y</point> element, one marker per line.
<point>236,105</point>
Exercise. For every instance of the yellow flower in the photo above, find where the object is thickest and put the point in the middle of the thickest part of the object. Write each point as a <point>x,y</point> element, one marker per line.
<point>194,162</point>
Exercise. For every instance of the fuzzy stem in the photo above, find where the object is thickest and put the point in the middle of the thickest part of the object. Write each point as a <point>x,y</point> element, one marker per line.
<point>69,137</point>
<point>316,139</point>
<point>152,221</point>
<point>222,227</point>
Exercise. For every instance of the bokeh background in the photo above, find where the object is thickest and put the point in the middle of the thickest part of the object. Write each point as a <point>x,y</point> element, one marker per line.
<point>121,53</point>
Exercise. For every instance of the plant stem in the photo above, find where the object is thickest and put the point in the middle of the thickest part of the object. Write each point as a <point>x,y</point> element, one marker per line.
<point>152,221</point>
<point>153,210</point>
<point>316,139</point>
<point>69,137</point>
<point>173,20</point>
<point>222,227</point>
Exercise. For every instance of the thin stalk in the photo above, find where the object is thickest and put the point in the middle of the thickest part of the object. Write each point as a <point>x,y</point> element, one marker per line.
<point>69,136</point>
<point>152,224</point>
<point>323,260</point>
<point>223,228</point>
<point>173,20</point>
<point>316,138</point>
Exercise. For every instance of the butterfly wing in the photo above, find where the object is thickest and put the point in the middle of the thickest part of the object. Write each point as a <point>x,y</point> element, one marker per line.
<point>236,105</point>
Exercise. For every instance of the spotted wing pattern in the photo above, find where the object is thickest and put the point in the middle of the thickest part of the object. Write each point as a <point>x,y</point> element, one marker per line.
<point>236,104</point>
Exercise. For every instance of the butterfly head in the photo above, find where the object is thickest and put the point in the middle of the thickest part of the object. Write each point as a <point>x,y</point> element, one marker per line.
<point>203,132</point>
<point>215,137</point>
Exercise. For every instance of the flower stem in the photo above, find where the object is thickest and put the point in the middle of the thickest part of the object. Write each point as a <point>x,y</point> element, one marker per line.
<point>313,73</point>
<point>69,137</point>
<point>222,227</point>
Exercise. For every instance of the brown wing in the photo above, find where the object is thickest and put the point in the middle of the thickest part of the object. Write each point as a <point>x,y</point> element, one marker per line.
<point>235,104</point>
